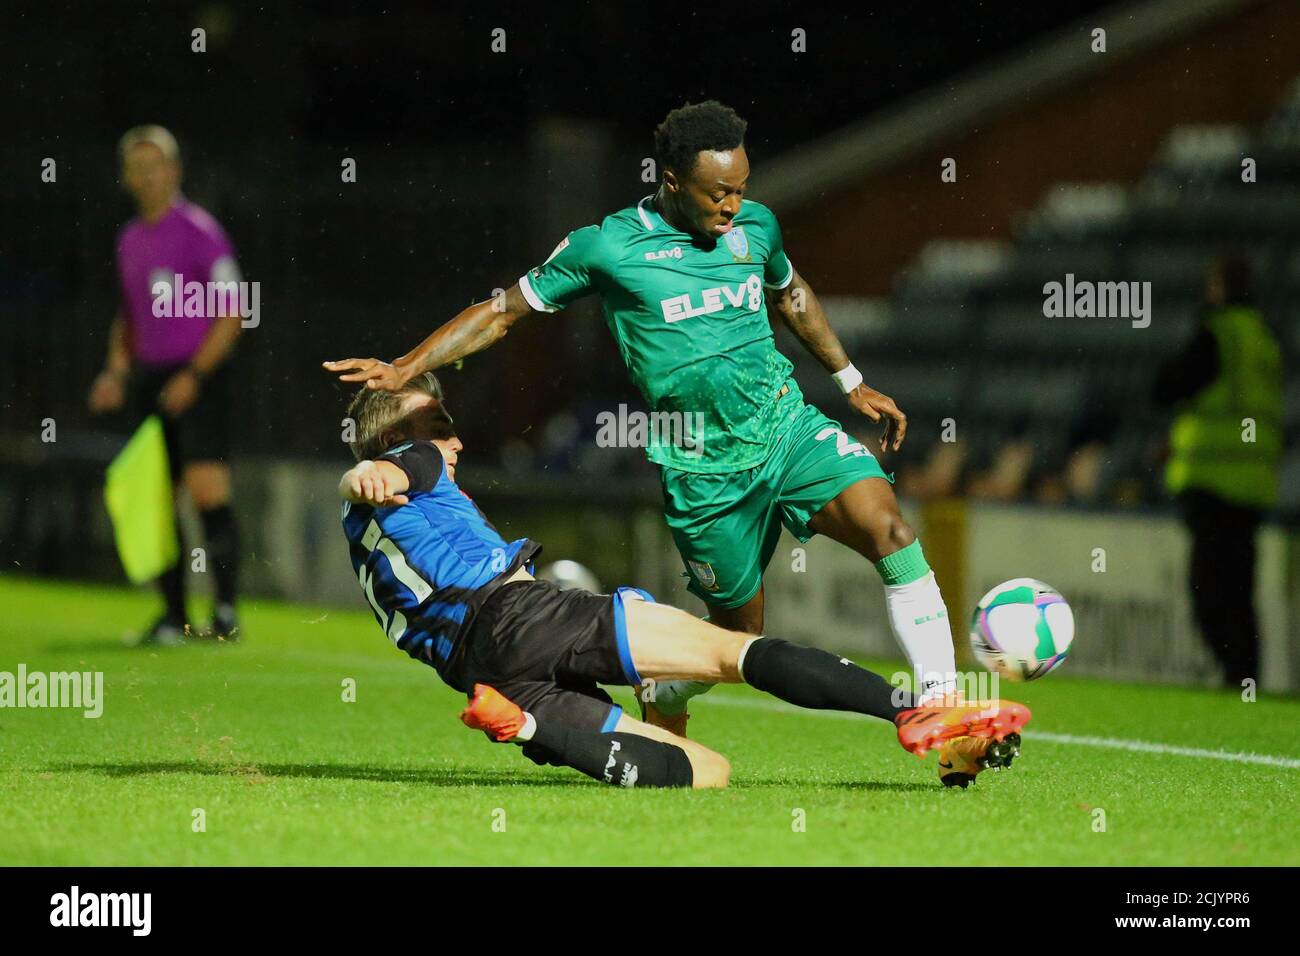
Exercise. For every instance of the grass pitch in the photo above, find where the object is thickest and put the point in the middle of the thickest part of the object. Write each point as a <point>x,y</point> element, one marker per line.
<point>259,738</point>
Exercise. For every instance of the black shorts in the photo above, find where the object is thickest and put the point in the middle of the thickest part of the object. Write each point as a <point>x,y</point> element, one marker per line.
<point>202,431</point>
<point>547,649</point>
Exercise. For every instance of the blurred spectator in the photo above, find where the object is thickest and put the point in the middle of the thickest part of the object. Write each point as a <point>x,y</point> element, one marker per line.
<point>1084,475</point>
<point>1224,448</point>
<point>1007,477</point>
<point>938,476</point>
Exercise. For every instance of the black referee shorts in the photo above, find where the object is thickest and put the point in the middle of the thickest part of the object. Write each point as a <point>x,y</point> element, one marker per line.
<point>202,432</point>
<point>547,649</point>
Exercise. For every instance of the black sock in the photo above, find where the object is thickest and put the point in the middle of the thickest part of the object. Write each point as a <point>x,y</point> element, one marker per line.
<point>223,551</point>
<point>819,680</point>
<point>626,760</point>
<point>172,585</point>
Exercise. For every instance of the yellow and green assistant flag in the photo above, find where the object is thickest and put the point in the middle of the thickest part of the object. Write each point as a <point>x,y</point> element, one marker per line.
<point>138,493</point>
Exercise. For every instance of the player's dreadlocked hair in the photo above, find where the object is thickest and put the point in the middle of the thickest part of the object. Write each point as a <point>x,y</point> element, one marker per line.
<point>376,413</point>
<point>694,128</point>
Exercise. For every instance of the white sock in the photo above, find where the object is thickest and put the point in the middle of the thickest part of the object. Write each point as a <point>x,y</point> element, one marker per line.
<point>920,624</point>
<point>528,729</point>
<point>671,696</point>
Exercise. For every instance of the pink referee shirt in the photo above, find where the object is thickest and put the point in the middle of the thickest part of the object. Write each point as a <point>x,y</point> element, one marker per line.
<point>186,242</point>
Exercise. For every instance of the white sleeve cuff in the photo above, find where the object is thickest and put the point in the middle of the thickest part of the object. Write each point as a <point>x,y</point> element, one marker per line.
<point>784,282</point>
<point>532,298</point>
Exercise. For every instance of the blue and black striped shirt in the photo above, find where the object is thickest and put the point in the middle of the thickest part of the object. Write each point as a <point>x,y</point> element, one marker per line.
<point>427,566</point>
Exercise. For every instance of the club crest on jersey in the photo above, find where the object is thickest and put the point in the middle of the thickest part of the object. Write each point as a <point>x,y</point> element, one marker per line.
<point>703,572</point>
<point>738,243</point>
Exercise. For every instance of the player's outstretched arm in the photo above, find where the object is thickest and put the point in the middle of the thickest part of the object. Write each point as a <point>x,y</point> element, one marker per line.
<point>471,331</point>
<point>376,483</point>
<point>802,314</point>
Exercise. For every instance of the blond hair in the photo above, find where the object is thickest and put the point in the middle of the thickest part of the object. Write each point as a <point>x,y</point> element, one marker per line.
<point>153,134</point>
<point>376,412</point>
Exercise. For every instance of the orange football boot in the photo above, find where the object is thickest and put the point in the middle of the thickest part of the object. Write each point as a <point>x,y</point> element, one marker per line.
<point>492,712</point>
<point>928,726</point>
<point>962,759</point>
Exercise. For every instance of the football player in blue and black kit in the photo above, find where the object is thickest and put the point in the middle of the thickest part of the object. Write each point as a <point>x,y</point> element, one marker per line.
<point>452,593</point>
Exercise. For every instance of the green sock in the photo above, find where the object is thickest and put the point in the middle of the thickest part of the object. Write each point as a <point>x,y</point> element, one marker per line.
<point>903,566</point>
<point>919,619</point>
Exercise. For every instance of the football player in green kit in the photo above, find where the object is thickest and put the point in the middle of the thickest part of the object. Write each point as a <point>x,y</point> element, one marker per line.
<point>685,278</point>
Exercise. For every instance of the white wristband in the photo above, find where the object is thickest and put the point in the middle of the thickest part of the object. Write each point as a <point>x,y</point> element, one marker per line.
<point>847,378</point>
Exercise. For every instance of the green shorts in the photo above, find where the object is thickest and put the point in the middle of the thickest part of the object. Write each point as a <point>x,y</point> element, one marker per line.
<point>727,526</point>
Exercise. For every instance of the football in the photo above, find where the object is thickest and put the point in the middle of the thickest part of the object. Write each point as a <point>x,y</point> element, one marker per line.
<point>1022,629</point>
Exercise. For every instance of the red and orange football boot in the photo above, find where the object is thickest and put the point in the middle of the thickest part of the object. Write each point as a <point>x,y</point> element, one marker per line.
<point>923,728</point>
<point>962,759</point>
<point>493,713</point>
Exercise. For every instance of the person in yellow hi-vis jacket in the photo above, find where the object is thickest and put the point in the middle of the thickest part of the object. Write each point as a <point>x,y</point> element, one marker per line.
<point>1225,444</point>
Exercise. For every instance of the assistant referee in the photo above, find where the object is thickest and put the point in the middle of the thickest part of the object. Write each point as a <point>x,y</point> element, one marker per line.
<point>177,365</point>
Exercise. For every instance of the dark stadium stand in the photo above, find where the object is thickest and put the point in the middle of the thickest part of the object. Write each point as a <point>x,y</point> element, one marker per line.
<point>964,336</point>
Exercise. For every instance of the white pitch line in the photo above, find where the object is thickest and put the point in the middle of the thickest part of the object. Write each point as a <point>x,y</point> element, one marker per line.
<point>1143,746</point>
<point>1110,743</point>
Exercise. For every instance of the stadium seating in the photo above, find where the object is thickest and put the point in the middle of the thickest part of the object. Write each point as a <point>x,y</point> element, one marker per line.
<point>964,336</point>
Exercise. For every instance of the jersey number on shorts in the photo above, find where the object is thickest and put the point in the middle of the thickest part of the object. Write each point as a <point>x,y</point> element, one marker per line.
<point>844,445</point>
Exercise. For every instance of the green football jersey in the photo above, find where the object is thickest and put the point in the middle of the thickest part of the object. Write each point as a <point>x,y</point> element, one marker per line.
<point>691,323</point>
